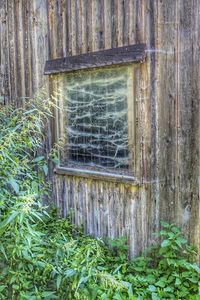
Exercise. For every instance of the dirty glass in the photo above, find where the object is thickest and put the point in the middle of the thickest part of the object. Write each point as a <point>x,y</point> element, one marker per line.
<point>96,118</point>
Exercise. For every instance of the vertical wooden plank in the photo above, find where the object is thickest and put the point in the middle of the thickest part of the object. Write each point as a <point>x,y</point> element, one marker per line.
<point>89,26</point>
<point>188,119</point>
<point>131,221</point>
<point>81,201</point>
<point>51,28</point>
<point>195,140</point>
<point>131,21</point>
<point>19,40</point>
<point>4,55</point>
<point>73,27</point>
<point>97,25</point>
<point>40,40</point>
<point>78,26</point>
<point>67,27</point>
<point>120,22</point>
<point>59,21</point>
<point>107,24</point>
<point>94,224</point>
<point>166,105</point>
<point>114,23</point>
<point>146,28</point>
<point>97,207</point>
<point>102,218</point>
<point>11,52</point>
<point>131,118</point>
<point>64,27</point>
<point>26,13</point>
<point>110,208</point>
<point>105,210</point>
<point>72,198</point>
<point>66,209</point>
<point>126,19</point>
<point>82,26</point>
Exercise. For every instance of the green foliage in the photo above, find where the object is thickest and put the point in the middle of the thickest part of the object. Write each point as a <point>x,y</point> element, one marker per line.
<point>44,257</point>
<point>167,271</point>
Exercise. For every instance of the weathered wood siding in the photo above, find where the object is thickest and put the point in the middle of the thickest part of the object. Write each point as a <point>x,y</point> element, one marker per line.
<point>106,208</point>
<point>24,48</point>
<point>168,116</point>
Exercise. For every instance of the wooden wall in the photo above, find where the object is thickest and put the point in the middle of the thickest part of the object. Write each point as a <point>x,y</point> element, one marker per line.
<point>33,31</point>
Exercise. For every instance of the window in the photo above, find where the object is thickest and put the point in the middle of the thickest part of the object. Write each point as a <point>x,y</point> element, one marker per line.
<point>97,108</point>
<point>97,115</point>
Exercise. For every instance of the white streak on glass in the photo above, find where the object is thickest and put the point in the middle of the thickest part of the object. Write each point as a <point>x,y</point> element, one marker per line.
<point>96,107</point>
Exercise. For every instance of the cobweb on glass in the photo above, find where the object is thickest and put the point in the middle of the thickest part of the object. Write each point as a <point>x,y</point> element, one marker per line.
<point>96,109</point>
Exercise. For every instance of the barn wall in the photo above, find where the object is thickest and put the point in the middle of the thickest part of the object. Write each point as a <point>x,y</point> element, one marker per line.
<point>168,115</point>
<point>24,48</point>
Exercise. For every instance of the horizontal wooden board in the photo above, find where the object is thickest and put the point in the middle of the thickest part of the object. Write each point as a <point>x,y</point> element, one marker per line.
<point>120,55</point>
<point>96,175</point>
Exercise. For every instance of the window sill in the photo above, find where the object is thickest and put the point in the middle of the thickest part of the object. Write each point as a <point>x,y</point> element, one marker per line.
<point>98,175</point>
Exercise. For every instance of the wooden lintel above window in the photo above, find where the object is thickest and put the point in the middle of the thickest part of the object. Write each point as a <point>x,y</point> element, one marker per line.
<point>109,57</point>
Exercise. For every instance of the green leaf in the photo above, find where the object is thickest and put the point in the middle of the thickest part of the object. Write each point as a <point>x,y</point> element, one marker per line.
<point>58,281</point>
<point>8,220</point>
<point>104,296</point>
<point>45,169</point>
<point>69,272</point>
<point>130,291</point>
<point>165,224</point>
<point>15,287</point>
<point>3,251</point>
<point>161,283</point>
<point>55,160</point>
<point>13,279</point>
<point>168,289</point>
<point>155,297</point>
<point>2,287</point>
<point>41,264</point>
<point>29,175</point>
<point>37,159</point>
<point>117,296</point>
<point>163,233</point>
<point>36,214</point>
<point>83,279</point>
<point>196,268</point>
<point>165,243</point>
<point>178,281</point>
<point>180,240</point>
<point>193,280</point>
<point>152,288</point>
<point>14,185</point>
<point>30,111</point>
<point>46,294</point>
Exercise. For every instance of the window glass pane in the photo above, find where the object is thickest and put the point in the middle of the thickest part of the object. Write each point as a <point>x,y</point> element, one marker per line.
<point>96,125</point>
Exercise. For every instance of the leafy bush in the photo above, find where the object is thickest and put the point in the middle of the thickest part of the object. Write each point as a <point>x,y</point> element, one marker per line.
<point>44,257</point>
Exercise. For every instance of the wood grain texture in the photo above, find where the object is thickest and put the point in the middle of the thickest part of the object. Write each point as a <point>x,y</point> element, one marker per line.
<point>119,56</point>
<point>166,111</point>
<point>3,55</point>
<point>92,174</point>
<point>105,208</point>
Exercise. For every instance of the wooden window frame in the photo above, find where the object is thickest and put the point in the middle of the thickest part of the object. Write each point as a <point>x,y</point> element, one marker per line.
<point>128,55</point>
